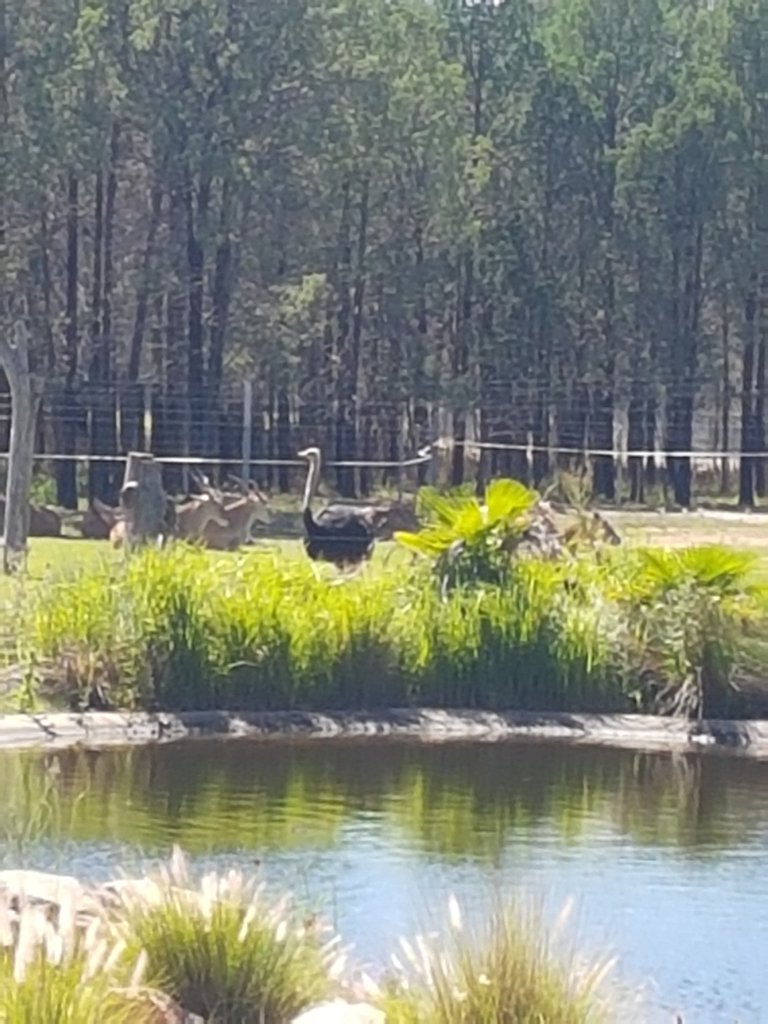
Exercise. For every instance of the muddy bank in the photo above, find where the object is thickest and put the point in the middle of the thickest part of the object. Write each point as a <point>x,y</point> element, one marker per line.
<point>642,732</point>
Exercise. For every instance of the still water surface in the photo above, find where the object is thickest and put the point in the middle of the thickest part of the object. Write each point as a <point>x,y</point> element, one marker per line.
<point>666,855</point>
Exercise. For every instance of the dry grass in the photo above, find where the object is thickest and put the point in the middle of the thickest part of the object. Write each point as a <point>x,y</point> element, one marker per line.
<point>220,949</point>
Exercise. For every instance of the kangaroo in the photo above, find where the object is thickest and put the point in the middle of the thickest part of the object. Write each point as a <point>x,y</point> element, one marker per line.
<point>193,516</point>
<point>239,517</point>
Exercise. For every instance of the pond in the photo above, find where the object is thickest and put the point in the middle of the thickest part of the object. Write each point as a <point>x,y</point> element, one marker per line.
<point>666,855</point>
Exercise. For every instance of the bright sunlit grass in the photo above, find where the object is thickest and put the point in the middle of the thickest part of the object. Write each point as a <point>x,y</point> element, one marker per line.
<point>180,628</point>
<point>507,969</point>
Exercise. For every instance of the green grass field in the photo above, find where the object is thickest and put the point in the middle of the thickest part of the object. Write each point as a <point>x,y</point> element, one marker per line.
<point>57,558</point>
<point>66,556</point>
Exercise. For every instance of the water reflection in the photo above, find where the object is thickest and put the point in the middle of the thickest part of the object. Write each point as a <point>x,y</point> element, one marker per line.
<point>666,854</point>
<point>462,800</point>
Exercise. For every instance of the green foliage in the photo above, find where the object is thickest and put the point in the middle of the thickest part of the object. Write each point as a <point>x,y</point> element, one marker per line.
<point>43,489</point>
<point>224,952</point>
<point>65,995</point>
<point>176,629</point>
<point>691,606</point>
<point>505,972</point>
<point>552,193</point>
<point>719,570</point>
<point>468,540</point>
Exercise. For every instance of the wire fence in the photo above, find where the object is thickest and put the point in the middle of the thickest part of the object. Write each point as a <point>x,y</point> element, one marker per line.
<point>620,455</point>
<point>432,458</point>
<point>240,431</point>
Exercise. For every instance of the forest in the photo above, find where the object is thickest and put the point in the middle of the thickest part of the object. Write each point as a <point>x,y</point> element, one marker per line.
<point>506,221</point>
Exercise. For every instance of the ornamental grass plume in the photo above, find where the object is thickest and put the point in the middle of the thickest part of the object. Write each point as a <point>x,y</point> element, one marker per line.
<point>506,971</point>
<point>224,951</point>
<point>55,970</point>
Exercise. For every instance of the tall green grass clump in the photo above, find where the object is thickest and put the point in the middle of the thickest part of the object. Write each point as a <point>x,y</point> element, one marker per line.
<point>177,629</point>
<point>224,952</point>
<point>484,617</point>
<point>507,971</point>
<point>689,610</point>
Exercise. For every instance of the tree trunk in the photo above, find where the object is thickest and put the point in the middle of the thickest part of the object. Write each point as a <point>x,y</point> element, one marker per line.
<point>650,439</point>
<point>748,433</point>
<point>283,439</point>
<point>133,403</point>
<point>95,376</point>
<point>345,390</point>
<point>176,406</point>
<point>25,398</point>
<point>102,482</point>
<point>602,419</point>
<point>196,216</point>
<point>220,302</point>
<point>460,363</point>
<point>762,320</point>
<point>759,463</point>
<point>725,412</point>
<point>681,405</point>
<point>636,440</point>
<point>66,476</point>
<point>144,286</point>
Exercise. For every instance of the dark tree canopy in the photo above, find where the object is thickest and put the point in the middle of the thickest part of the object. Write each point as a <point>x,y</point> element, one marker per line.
<point>510,221</point>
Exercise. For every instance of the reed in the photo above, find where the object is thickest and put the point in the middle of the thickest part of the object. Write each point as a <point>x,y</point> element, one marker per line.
<point>177,630</point>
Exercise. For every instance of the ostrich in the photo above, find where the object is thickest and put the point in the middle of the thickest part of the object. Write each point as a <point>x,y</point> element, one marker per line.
<point>340,534</point>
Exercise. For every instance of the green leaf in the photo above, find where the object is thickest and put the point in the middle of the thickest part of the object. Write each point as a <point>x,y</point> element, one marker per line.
<point>507,499</point>
<point>426,542</point>
<point>710,566</point>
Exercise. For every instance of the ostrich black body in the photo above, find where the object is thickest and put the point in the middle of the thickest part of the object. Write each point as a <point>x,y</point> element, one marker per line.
<point>339,534</point>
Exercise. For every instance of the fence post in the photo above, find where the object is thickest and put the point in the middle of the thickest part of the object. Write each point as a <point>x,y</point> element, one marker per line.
<point>432,465</point>
<point>620,458</point>
<point>245,472</point>
<point>119,421</point>
<point>148,427</point>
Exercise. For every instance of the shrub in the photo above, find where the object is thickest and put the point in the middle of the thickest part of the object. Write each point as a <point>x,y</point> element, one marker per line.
<point>469,541</point>
<point>505,972</point>
<point>223,952</point>
<point>179,629</point>
<point>688,609</point>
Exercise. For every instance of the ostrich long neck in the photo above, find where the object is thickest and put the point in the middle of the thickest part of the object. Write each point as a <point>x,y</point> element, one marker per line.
<point>313,477</point>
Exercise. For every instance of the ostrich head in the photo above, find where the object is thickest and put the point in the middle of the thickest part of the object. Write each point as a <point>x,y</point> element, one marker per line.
<point>310,454</point>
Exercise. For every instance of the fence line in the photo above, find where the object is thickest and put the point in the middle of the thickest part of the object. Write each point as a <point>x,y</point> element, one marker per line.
<point>425,455</point>
<point>615,453</point>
